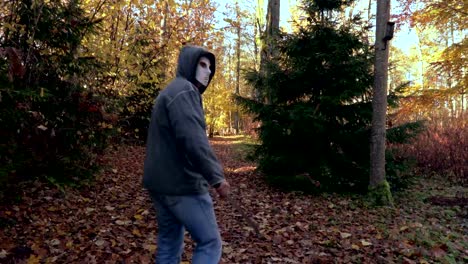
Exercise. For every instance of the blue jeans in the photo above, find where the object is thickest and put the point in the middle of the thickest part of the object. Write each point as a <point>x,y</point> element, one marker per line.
<point>194,213</point>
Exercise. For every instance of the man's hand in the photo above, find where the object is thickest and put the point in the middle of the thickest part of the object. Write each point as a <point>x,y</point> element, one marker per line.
<point>224,189</point>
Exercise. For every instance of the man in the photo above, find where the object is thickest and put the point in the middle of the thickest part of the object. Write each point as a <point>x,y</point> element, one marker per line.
<point>180,165</point>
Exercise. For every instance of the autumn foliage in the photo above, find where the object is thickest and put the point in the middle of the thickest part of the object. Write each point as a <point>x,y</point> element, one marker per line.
<point>442,150</point>
<point>52,123</point>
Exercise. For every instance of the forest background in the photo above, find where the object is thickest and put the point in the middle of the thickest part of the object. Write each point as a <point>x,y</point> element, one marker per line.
<point>80,75</point>
<point>78,79</point>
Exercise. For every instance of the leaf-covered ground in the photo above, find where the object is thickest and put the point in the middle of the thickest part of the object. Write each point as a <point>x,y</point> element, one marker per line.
<point>112,221</point>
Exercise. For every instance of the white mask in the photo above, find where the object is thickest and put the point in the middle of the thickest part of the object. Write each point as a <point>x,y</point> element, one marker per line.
<point>203,71</point>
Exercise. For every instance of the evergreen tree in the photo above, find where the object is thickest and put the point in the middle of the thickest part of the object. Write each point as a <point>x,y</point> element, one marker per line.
<point>51,122</point>
<point>315,131</point>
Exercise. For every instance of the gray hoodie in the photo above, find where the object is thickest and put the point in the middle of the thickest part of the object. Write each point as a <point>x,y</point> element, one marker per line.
<point>179,159</point>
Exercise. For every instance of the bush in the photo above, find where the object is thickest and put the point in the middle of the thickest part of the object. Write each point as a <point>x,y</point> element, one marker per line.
<point>442,150</point>
<point>136,114</point>
<point>51,123</point>
<point>400,166</point>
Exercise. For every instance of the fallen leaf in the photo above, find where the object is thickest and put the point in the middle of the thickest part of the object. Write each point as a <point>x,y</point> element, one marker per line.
<point>408,261</point>
<point>150,247</point>
<point>227,250</point>
<point>365,243</point>
<point>54,242</point>
<point>120,222</point>
<point>345,235</point>
<point>100,242</point>
<point>138,217</point>
<point>438,252</point>
<point>33,259</point>
<point>136,232</point>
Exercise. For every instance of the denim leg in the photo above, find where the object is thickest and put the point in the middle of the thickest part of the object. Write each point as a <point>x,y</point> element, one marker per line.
<point>203,228</point>
<point>196,212</point>
<point>170,232</point>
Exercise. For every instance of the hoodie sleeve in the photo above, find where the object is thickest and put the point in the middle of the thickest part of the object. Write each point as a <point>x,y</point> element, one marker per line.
<point>188,123</point>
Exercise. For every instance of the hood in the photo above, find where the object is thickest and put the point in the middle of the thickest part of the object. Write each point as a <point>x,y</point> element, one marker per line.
<point>187,64</point>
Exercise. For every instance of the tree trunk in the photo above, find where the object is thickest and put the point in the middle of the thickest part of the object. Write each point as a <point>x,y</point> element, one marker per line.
<point>269,47</point>
<point>259,26</point>
<point>379,188</point>
<point>238,52</point>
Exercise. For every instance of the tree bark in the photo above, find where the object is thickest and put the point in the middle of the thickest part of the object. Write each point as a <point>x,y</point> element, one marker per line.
<point>379,107</point>
<point>238,52</point>
<point>259,26</point>
<point>269,47</point>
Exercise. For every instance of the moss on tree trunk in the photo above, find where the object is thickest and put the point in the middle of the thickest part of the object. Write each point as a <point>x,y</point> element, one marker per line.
<point>381,195</point>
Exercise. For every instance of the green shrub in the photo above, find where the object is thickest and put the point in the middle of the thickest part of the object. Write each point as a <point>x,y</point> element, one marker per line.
<point>136,115</point>
<point>51,123</point>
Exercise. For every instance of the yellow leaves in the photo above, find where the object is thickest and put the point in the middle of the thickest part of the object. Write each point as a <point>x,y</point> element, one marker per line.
<point>403,228</point>
<point>69,244</point>
<point>138,217</point>
<point>33,259</point>
<point>52,209</point>
<point>136,232</point>
<point>355,247</point>
<point>105,125</point>
<point>150,247</point>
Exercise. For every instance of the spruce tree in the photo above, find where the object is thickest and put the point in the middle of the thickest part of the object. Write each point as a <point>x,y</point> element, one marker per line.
<point>315,129</point>
<point>49,117</point>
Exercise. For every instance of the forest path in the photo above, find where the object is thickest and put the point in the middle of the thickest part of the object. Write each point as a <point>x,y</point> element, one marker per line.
<point>112,221</point>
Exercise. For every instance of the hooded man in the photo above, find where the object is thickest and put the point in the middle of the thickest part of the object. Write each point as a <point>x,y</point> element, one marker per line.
<point>180,165</point>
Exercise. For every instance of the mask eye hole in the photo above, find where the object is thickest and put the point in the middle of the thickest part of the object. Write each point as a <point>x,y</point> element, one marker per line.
<point>203,64</point>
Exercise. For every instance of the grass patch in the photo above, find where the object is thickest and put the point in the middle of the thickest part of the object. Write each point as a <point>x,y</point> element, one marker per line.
<point>243,147</point>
